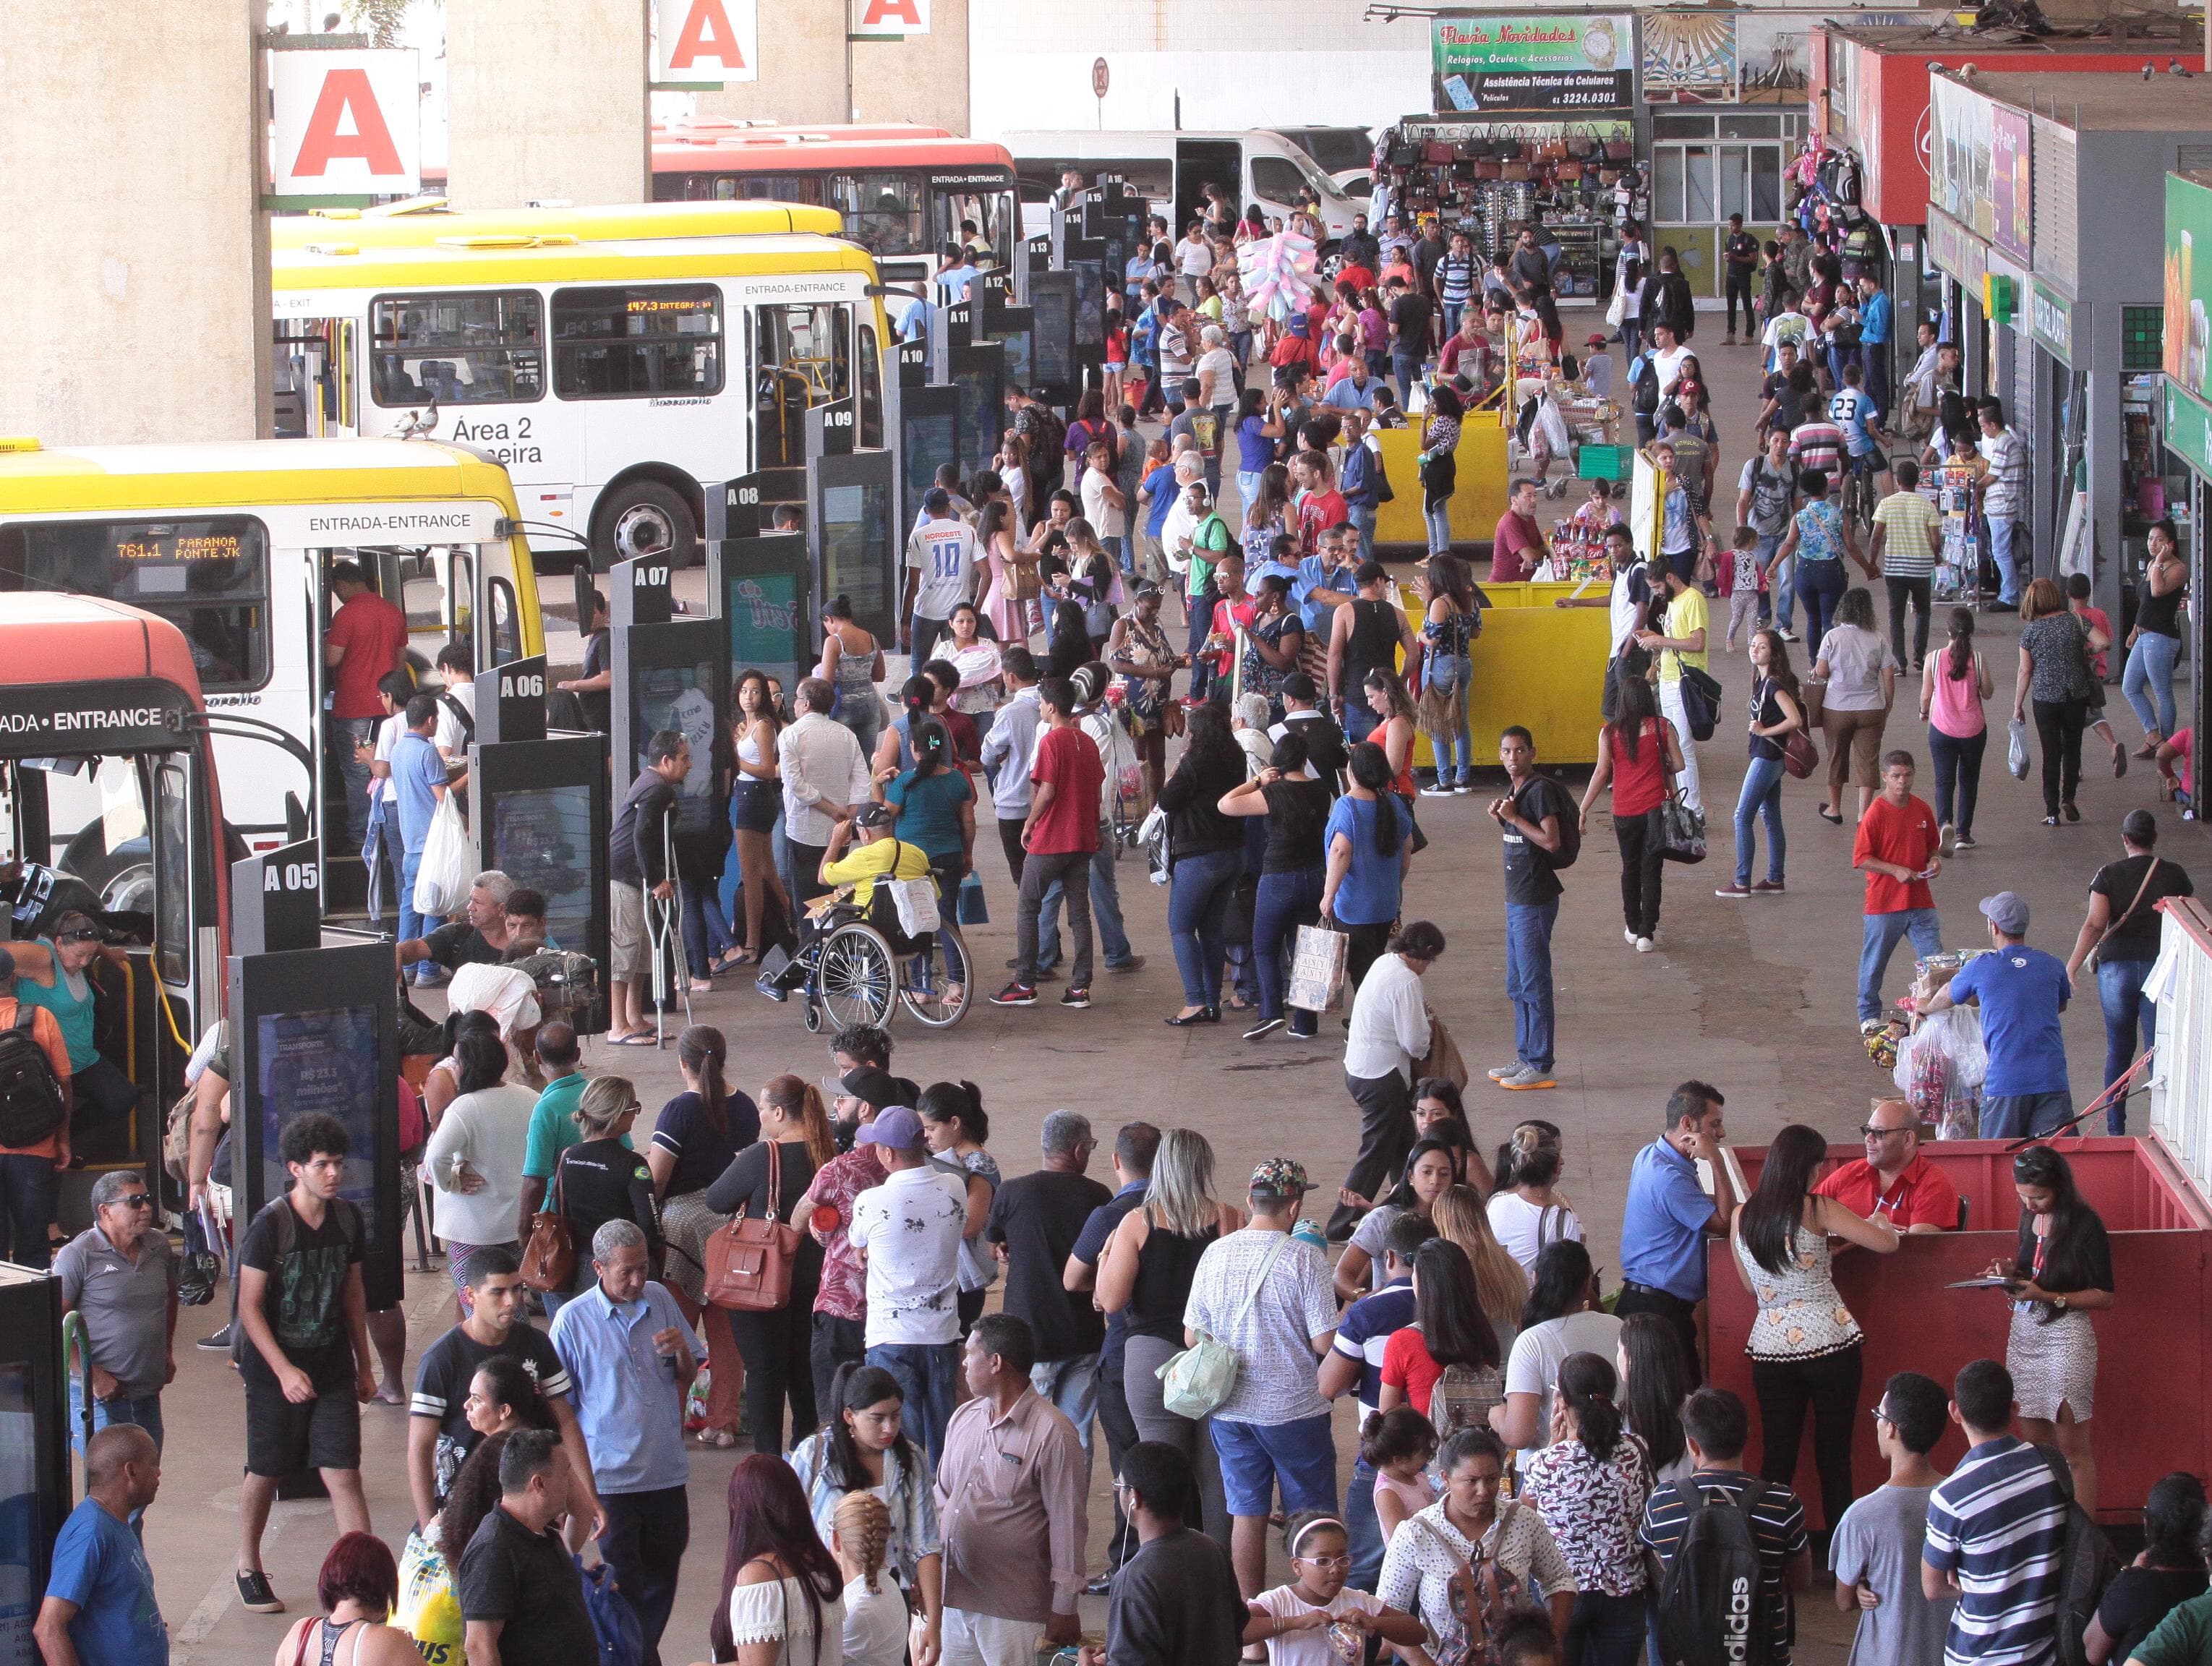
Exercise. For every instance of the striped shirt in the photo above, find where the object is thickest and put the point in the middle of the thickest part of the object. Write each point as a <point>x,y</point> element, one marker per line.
<point>1998,1523</point>
<point>1777,1528</point>
<point>1906,519</point>
<point>1816,445</point>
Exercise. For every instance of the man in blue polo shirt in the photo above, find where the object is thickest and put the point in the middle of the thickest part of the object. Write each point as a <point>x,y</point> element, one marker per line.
<point>2021,992</point>
<point>1354,1364</point>
<point>1668,1216</point>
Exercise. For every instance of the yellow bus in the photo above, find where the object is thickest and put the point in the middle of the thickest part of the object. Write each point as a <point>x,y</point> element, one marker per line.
<point>675,361</point>
<point>425,222</point>
<point>232,545</point>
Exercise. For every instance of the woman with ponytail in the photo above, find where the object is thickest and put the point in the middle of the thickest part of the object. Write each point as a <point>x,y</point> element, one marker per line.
<point>853,663</point>
<point>955,1126</point>
<point>875,1612</point>
<point>936,805</point>
<point>794,1129</point>
<point>1527,1211</point>
<point>1590,1484</point>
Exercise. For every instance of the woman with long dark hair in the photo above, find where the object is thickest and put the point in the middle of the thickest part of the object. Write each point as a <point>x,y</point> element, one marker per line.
<point>1591,1483</point>
<point>482,1138</point>
<point>1561,1316</point>
<point>1267,517</point>
<point>1291,877</point>
<point>1395,728</point>
<point>1778,710</point>
<point>1068,640</point>
<point>936,805</point>
<point>1637,755</point>
<point>1440,465</point>
<point>2060,1273</point>
<point>1448,631</point>
<point>2054,647</point>
<point>1010,601</point>
<point>1954,687</point>
<point>1369,849</point>
<point>1440,1113</point>
<point>755,802</point>
<point>1274,640</point>
<point>2170,1571</point>
<point>957,1127</point>
<point>864,1448</point>
<point>1205,859</point>
<point>782,1591</point>
<point>1432,1169</point>
<point>1805,1346</point>
<point>1655,1381</point>
<point>1449,1328</point>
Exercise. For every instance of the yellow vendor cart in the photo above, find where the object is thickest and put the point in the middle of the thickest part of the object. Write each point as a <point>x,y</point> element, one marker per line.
<point>1535,664</point>
<point>1476,504</point>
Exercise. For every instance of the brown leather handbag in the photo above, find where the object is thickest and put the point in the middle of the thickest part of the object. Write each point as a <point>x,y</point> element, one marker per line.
<point>549,1260</point>
<point>749,1262</point>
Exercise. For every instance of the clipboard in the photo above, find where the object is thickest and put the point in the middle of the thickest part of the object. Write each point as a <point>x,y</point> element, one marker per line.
<point>1979,1284</point>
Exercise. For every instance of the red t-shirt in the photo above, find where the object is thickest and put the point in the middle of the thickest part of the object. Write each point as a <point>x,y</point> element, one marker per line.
<point>373,634</point>
<point>1906,837</point>
<point>1639,784</point>
<point>1408,1365</point>
<point>1516,548</point>
<point>1922,1196</point>
<point>1317,512</point>
<point>1069,762</point>
<point>1227,618</point>
<point>1362,278</point>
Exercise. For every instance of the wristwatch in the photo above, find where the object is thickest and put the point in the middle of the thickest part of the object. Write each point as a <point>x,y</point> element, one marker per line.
<point>2059,1301</point>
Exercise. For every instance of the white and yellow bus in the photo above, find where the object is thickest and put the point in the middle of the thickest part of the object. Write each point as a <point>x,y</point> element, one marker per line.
<point>233,544</point>
<point>614,370</point>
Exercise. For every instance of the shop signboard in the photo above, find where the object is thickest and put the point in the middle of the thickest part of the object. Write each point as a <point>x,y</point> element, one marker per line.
<point>2012,196</point>
<point>2188,428</point>
<point>2050,321</point>
<point>2188,279</point>
<point>1534,62</point>
<point>1959,155</point>
<point>1689,57</point>
<point>1957,251</point>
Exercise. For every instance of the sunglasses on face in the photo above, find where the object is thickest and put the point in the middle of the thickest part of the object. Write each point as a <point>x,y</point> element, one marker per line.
<point>135,1200</point>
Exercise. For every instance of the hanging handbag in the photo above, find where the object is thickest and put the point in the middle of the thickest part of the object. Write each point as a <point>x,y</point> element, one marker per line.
<point>749,1262</point>
<point>549,1259</point>
<point>1683,831</point>
<point>1489,167</point>
<point>1199,1380</point>
<point>1516,171</point>
<point>1620,150</point>
<point>1800,756</point>
<point>1435,153</point>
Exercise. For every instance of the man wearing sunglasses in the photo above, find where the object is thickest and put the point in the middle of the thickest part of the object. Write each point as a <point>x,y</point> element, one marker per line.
<point>1893,1182</point>
<point>120,1276</point>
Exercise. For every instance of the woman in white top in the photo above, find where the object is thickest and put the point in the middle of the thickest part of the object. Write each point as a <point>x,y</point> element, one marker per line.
<point>975,657</point>
<point>1527,1212</point>
<point>784,1603</point>
<point>875,1610</point>
<point>1861,674</point>
<point>1562,1317</point>
<point>474,1157</point>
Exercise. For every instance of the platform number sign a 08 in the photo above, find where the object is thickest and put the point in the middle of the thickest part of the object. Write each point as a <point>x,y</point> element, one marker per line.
<point>705,44</point>
<point>890,19</point>
<point>345,123</point>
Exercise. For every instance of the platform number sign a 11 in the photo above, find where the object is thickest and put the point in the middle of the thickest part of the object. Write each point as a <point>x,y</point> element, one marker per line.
<point>700,45</point>
<point>890,19</point>
<point>345,123</point>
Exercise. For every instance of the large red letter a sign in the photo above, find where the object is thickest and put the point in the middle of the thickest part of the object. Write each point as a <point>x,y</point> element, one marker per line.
<point>706,42</point>
<point>892,17</point>
<point>346,123</point>
<point>346,92</point>
<point>707,34</point>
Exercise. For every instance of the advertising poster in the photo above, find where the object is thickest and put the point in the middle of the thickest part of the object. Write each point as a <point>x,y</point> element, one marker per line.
<point>766,631</point>
<point>2012,196</point>
<point>679,697</point>
<point>321,1061</point>
<point>1532,62</point>
<point>1958,156</point>
<point>542,840</point>
<point>2188,288</point>
<point>1689,57</point>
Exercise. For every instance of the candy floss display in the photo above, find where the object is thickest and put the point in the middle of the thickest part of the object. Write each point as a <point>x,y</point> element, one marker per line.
<point>1278,275</point>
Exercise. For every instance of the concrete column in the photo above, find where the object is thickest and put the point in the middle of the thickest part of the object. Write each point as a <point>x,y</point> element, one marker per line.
<point>138,289</point>
<point>2105,444</point>
<point>922,78</point>
<point>803,69</point>
<point>547,100</point>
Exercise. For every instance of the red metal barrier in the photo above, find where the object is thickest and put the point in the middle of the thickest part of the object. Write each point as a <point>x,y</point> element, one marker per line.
<point>2154,1348</point>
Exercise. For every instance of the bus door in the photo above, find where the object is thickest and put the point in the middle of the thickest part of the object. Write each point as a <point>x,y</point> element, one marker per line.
<point>1200,163</point>
<point>316,367</point>
<point>798,355</point>
<point>986,203</point>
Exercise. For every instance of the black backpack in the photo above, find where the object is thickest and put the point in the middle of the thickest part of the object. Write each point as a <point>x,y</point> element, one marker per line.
<point>2087,1564</point>
<point>1571,832</point>
<point>1713,1608</point>
<point>31,1104</point>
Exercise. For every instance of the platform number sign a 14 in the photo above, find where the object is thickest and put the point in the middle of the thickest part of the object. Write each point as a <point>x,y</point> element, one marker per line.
<point>705,44</point>
<point>345,123</point>
<point>890,19</point>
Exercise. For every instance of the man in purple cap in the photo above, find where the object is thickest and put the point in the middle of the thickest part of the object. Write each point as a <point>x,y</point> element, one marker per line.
<point>2021,992</point>
<point>908,1232</point>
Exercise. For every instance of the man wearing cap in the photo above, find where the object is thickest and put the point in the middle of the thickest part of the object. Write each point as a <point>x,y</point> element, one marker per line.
<point>2021,992</point>
<point>840,1303</point>
<point>1893,1182</point>
<point>908,1233</point>
<point>1267,1295</point>
<point>1326,755</point>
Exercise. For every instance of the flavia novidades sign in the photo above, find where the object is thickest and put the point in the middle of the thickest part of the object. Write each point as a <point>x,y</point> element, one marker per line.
<point>1507,63</point>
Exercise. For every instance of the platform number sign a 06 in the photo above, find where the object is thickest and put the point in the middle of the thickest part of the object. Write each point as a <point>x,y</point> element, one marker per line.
<point>705,44</point>
<point>890,19</point>
<point>345,123</point>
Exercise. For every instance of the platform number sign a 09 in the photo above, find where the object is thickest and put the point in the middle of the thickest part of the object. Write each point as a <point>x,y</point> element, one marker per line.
<point>890,19</point>
<point>345,123</point>
<point>704,44</point>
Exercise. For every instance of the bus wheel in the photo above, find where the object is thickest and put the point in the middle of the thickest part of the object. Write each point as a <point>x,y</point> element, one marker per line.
<point>645,517</point>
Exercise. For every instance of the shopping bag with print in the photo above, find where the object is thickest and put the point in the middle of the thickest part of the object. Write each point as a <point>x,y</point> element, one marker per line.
<point>1317,965</point>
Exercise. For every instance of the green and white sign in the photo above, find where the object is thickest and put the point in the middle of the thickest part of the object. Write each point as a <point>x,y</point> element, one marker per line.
<point>2188,428</point>
<point>1507,62</point>
<point>2050,321</point>
<point>2188,290</point>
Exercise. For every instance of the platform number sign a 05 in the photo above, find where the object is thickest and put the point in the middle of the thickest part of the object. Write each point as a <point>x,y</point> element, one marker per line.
<point>345,123</point>
<point>705,44</point>
<point>890,19</point>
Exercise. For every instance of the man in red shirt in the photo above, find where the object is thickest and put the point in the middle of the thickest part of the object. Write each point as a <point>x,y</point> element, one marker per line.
<point>1060,837</point>
<point>1893,1182</point>
<point>367,641</point>
<point>1320,506</point>
<point>1519,545</point>
<point>1232,614</point>
<point>1896,848</point>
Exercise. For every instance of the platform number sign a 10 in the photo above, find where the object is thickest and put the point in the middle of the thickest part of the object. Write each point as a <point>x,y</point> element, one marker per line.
<point>701,45</point>
<point>345,123</point>
<point>890,19</point>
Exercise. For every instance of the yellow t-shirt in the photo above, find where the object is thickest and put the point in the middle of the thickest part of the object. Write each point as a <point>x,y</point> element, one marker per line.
<point>861,866</point>
<point>1685,615</point>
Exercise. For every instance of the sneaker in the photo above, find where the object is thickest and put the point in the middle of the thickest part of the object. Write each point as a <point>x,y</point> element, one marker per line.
<point>1947,840</point>
<point>437,980</point>
<point>1505,1070</point>
<point>1964,842</point>
<point>1527,1080</point>
<point>1788,635</point>
<point>1732,890</point>
<point>219,1342</point>
<point>1460,789</point>
<point>1438,791</point>
<point>1628,935</point>
<point>1265,1027</point>
<point>254,1595</point>
<point>1075,996</point>
<point>1644,945</point>
<point>1767,887</point>
<point>1015,994</point>
<point>1135,962</point>
<point>1868,1026</point>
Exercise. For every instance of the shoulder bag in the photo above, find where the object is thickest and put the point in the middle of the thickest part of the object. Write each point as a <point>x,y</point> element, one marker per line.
<point>1198,1381</point>
<point>549,1260</point>
<point>749,1262</point>
<point>2141,891</point>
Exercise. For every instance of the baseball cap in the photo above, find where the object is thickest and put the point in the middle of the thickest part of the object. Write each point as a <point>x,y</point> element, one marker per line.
<point>895,1126</point>
<point>1598,341</point>
<point>869,1086</point>
<point>872,814</point>
<point>2007,912</point>
<point>1281,1177</point>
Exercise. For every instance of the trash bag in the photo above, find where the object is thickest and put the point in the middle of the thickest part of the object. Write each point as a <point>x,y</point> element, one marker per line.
<point>1940,1071</point>
<point>449,862</point>
<point>2016,748</point>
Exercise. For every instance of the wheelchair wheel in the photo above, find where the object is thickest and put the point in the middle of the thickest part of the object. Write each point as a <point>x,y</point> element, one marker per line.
<point>854,976</point>
<point>810,1016</point>
<point>937,986</point>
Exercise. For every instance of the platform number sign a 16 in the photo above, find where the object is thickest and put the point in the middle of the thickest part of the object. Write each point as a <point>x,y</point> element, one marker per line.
<point>345,123</point>
<point>705,44</point>
<point>890,19</point>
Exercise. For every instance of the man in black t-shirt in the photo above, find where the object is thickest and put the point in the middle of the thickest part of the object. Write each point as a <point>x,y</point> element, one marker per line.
<point>1533,819</point>
<point>1740,251</point>
<point>480,938</point>
<point>637,861</point>
<point>2122,929</point>
<point>520,1596</point>
<point>1409,335</point>
<point>593,688</point>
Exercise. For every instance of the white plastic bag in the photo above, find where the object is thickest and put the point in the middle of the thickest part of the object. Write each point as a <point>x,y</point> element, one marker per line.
<point>2016,748</point>
<point>1940,1067</point>
<point>449,862</point>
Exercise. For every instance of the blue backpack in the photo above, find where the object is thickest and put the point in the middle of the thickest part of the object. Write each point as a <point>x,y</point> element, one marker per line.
<point>614,1622</point>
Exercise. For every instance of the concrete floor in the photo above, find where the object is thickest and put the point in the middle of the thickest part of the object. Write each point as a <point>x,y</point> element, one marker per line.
<point>1755,996</point>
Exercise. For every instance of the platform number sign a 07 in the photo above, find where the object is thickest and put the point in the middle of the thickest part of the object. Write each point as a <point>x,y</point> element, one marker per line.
<point>705,43</point>
<point>345,123</point>
<point>890,19</point>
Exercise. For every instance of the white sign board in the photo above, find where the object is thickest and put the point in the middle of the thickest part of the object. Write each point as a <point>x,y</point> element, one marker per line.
<point>890,19</point>
<point>705,43</point>
<point>345,123</point>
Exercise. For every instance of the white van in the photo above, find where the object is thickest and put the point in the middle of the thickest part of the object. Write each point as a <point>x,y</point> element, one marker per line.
<point>1174,168</point>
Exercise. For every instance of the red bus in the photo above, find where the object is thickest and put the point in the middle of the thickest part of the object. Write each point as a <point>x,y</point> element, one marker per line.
<point>905,193</point>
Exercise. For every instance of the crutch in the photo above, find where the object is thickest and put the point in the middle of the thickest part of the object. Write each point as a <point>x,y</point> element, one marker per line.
<point>663,928</point>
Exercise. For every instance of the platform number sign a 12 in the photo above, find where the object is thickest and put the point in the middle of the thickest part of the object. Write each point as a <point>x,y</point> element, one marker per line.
<point>877,19</point>
<point>345,123</point>
<point>705,44</point>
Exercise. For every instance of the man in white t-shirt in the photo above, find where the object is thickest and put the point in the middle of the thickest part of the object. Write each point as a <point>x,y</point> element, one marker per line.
<point>908,1231</point>
<point>395,689</point>
<point>1793,327</point>
<point>1667,355</point>
<point>1267,1295</point>
<point>940,573</point>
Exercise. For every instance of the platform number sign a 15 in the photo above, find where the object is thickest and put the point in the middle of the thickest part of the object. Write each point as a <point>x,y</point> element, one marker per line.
<point>700,45</point>
<point>890,19</point>
<point>345,123</point>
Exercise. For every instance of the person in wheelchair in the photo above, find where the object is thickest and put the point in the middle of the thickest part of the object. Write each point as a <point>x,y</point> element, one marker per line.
<point>854,876</point>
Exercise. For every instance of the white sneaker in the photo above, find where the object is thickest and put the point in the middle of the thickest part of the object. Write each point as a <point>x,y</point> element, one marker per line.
<point>1628,935</point>
<point>1644,945</point>
<point>1501,1071</point>
<point>1947,840</point>
<point>1438,791</point>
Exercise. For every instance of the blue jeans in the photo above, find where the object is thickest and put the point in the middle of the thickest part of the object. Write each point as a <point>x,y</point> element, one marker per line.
<point>1406,366</point>
<point>29,1187</point>
<point>1248,484</point>
<point>1362,1527</point>
<point>1455,751</point>
<point>706,927</point>
<point>410,920</point>
<point>2000,532</point>
<point>1362,517</point>
<point>1359,719</point>
<point>1255,1457</point>
<point>1779,603</point>
<point>1605,1631</point>
<point>1958,776</point>
<point>1198,901</point>
<point>928,1374</point>
<point>1285,902</point>
<point>1528,978</point>
<point>1879,941</point>
<point>356,732</point>
<point>2018,1116</point>
<point>1071,1385</point>
<point>2149,678</point>
<point>142,1411</point>
<point>1436,517</point>
<point>2119,991</point>
<point>1761,797</point>
<point>1105,914</point>
<point>1820,585</point>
